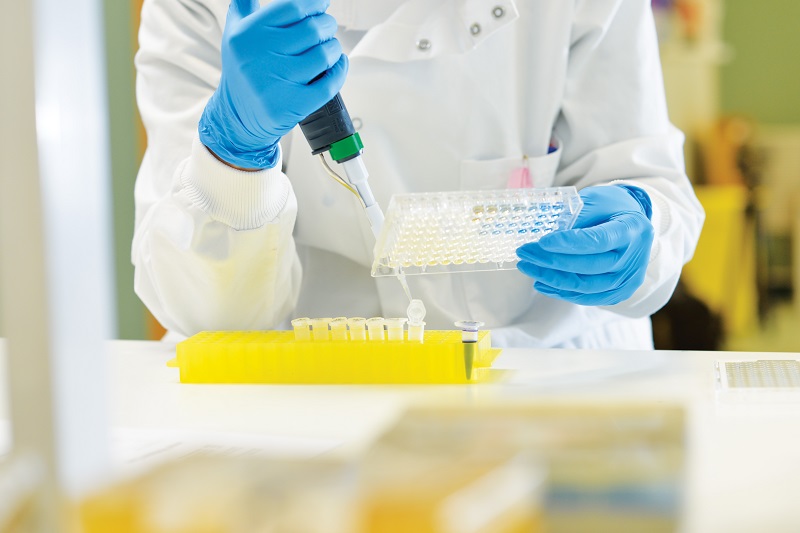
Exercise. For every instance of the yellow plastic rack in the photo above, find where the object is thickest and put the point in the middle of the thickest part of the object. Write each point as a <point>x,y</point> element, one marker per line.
<point>276,357</point>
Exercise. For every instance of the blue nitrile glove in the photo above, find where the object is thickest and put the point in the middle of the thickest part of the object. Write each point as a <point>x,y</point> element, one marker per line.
<point>603,260</point>
<point>271,58</point>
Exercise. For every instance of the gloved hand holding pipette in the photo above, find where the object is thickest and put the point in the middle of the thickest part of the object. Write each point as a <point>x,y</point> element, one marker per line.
<point>280,63</point>
<point>603,259</point>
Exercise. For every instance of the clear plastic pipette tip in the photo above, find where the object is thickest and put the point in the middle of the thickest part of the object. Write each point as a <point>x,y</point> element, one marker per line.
<point>404,283</point>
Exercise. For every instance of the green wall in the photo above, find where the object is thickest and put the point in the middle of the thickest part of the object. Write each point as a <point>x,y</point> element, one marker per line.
<point>124,159</point>
<point>763,79</point>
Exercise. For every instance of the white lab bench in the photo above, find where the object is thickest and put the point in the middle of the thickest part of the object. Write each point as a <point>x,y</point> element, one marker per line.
<point>743,456</point>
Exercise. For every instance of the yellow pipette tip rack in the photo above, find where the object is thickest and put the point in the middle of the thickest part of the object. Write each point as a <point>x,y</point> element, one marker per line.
<point>276,357</point>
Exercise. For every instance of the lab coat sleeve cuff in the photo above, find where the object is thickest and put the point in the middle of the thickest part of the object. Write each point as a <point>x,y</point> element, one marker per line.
<point>242,200</point>
<point>663,270</point>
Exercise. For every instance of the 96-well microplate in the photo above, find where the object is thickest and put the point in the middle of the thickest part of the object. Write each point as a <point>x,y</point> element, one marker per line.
<point>467,231</point>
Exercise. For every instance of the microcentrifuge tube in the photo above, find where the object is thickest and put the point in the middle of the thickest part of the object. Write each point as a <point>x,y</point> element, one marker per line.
<point>319,329</point>
<point>469,340</point>
<point>339,329</point>
<point>416,331</point>
<point>357,328</point>
<point>301,331</point>
<point>416,311</point>
<point>394,328</point>
<point>375,328</point>
<point>469,330</point>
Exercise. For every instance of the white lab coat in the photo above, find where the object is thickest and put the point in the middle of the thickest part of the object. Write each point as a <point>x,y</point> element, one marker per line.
<point>216,248</point>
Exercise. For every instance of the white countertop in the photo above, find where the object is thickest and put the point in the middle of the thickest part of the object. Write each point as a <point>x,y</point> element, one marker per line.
<point>743,456</point>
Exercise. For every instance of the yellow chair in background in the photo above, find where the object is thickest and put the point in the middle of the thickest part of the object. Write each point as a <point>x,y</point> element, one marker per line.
<point>723,271</point>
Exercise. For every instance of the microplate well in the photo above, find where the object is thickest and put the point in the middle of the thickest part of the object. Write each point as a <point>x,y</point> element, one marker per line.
<point>467,231</point>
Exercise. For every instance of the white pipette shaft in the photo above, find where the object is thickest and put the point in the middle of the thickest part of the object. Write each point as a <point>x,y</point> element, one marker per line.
<point>357,175</point>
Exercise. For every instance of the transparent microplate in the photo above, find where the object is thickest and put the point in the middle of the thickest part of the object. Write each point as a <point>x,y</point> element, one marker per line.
<point>468,230</point>
<point>763,374</point>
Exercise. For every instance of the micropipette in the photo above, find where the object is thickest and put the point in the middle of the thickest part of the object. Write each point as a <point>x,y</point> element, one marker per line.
<point>330,129</point>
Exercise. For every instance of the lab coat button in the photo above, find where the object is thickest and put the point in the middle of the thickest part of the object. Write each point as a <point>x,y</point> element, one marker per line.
<point>498,12</point>
<point>424,44</point>
<point>475,29</point>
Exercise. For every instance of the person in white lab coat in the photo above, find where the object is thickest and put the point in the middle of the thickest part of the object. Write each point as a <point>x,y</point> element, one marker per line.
<point>236,231</point>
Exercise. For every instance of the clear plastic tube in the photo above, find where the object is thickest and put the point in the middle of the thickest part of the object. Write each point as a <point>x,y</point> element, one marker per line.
<point>319,329</point>
<point>394,328</point>
<point>416,331</point>
<point>469,330</point>
<point>339,329</point>
<point>357,328</point>
<point>469,340</point>
<point>416,311</point>
<point>301,329</point>
<point>375,328</point>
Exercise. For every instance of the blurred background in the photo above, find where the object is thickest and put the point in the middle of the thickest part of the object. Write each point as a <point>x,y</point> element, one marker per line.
<point>733,90</point>
<point>732,86</point>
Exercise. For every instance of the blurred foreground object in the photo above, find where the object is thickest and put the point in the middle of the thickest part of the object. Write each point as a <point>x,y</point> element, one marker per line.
<point>499,468</point>
<point>447,494</point>
<point>423,480</point>
<point>208,494</point>
<point>20,479</point>
<point>55,277</point>
<point>610,467</point>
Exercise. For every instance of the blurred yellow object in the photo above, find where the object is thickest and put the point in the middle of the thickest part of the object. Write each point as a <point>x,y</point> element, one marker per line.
<point>609,467</point>
<point>234,495</point>
<point>497,467</point>
<point>722,147</point>
<point>227,495</point>
<point>452,493</point>
<point>21,480</point>
<point>722,272</point>
<point>276,357</point>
